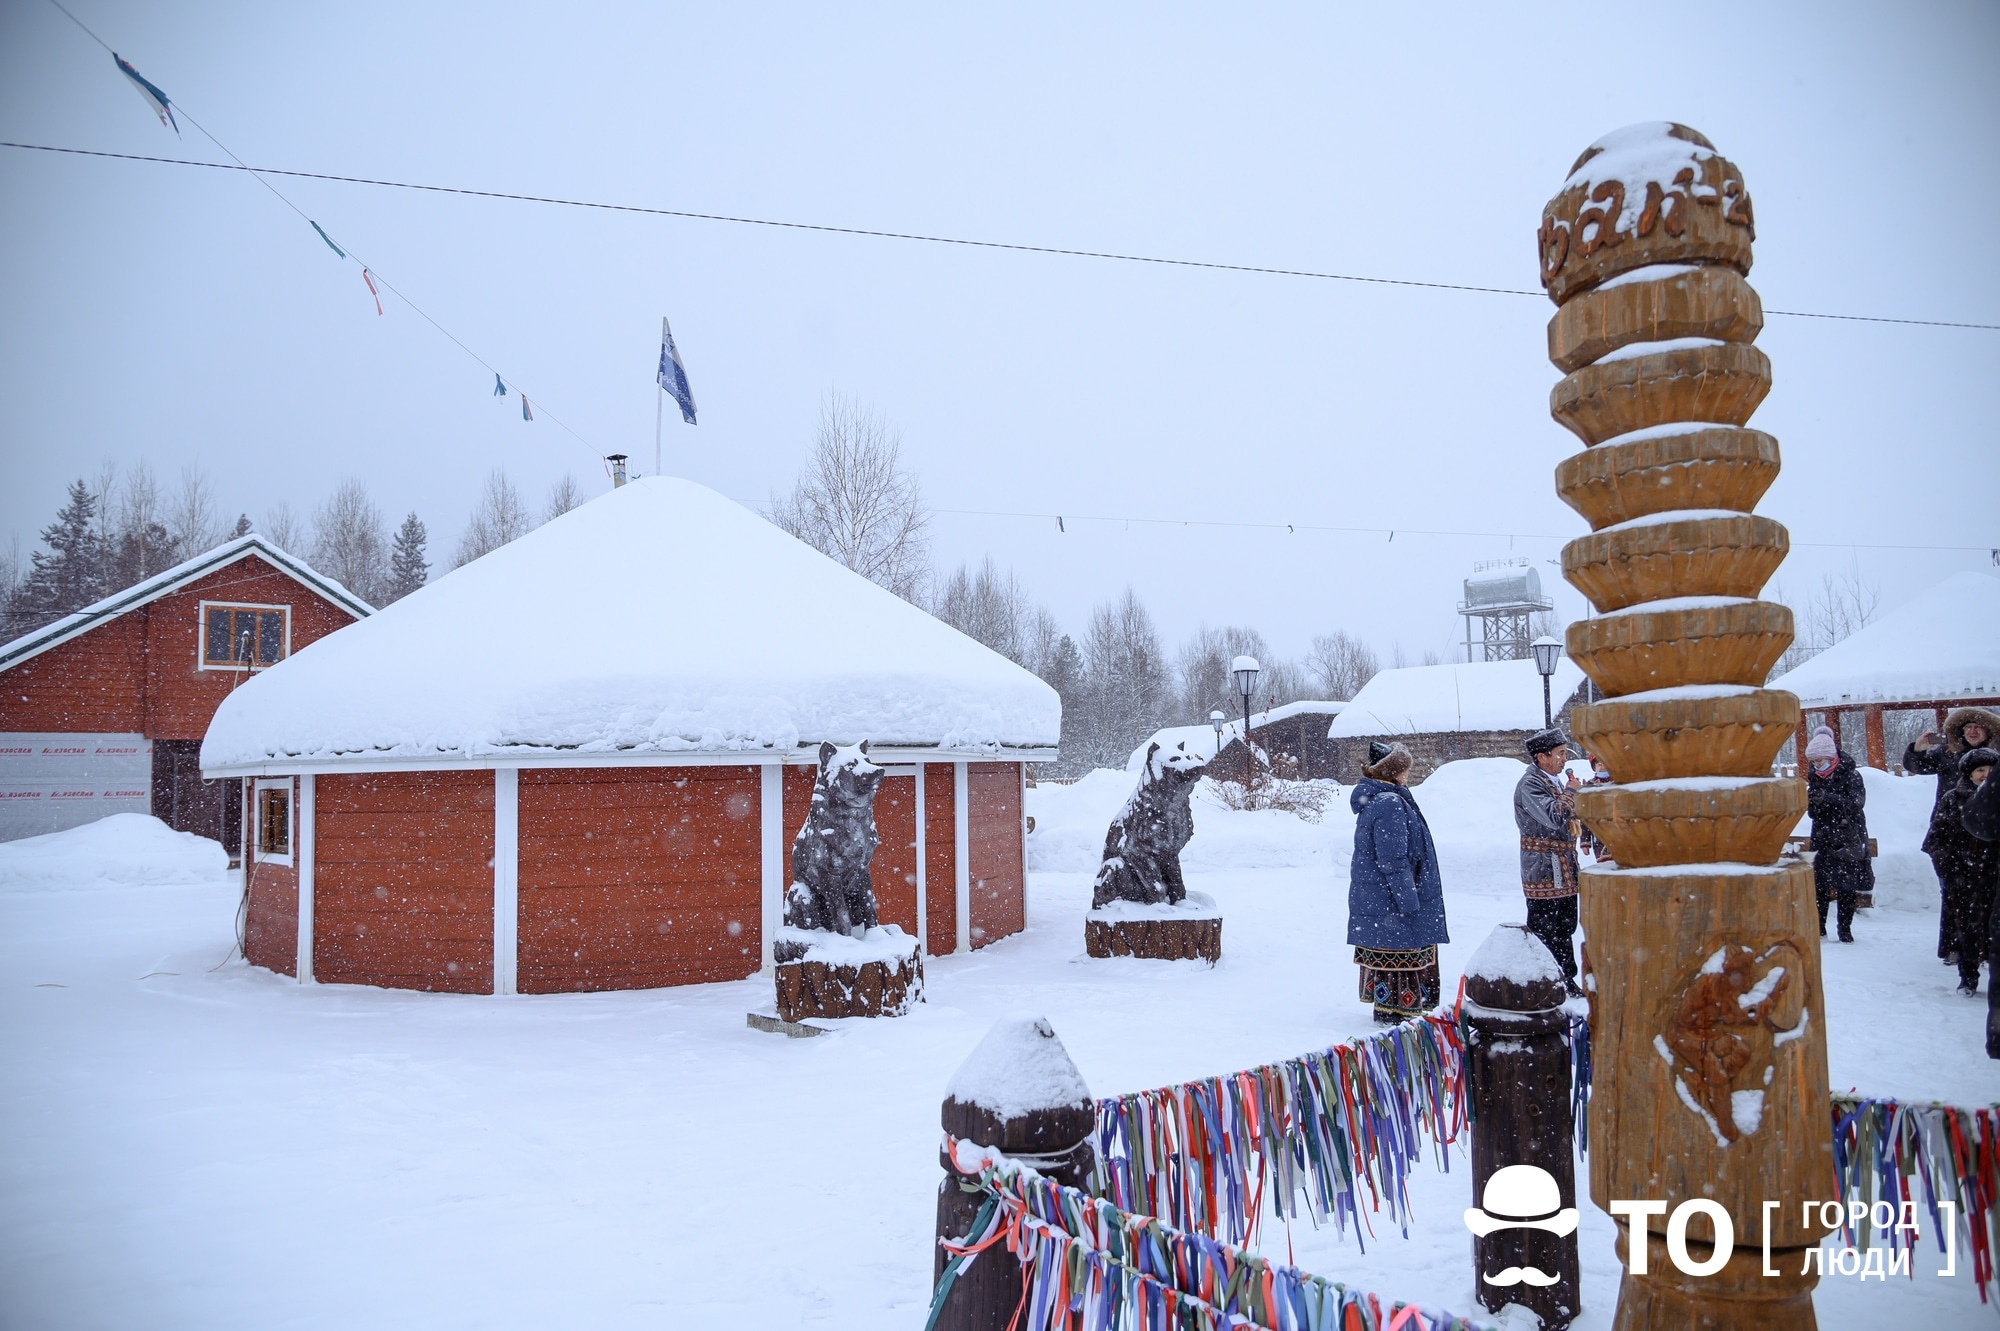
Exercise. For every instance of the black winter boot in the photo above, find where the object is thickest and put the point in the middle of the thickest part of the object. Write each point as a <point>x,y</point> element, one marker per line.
<point>1846,917</point>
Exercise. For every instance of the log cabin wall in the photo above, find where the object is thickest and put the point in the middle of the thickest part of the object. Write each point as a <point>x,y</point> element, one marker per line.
<point>940,856</point>
<point>403,884</point>
<point>638,877</point>
<point>999,855</point>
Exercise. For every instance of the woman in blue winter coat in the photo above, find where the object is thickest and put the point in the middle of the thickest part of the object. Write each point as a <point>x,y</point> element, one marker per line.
<point>1395,899</point>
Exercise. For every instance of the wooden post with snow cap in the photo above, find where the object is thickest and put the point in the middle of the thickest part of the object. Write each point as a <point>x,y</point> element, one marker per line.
<point>1019,1094</point>
<point>1523,1124</point>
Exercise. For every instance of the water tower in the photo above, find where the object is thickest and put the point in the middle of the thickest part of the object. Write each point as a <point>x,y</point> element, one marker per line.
<point>1502,596</point>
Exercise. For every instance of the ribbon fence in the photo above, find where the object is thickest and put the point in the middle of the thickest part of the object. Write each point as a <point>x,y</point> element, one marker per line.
<point>1954,1154</point>
<point>1325,1125</point>
<point>1087,1265</point>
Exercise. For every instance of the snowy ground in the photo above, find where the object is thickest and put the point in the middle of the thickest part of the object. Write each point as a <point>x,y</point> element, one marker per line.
<point>192,1142</point>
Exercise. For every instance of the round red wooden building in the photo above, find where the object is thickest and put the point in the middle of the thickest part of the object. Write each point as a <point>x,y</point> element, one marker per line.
<point>578,763</point>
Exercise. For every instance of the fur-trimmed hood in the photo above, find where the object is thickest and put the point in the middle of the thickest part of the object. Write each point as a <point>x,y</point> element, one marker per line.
<point>1960,718</point>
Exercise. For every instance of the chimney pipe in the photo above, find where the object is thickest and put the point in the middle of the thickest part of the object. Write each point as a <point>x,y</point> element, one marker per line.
<point>617,461</point>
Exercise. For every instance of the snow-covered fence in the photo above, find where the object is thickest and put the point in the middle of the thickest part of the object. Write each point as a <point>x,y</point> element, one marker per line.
<point>1880,1145</point>
<point>1086,1263</point>
<point>1327,1125</point>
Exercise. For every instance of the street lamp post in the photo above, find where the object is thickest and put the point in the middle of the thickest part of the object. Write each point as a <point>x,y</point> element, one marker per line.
<point>1547,652</point>
<point>1246,670</point>
<point>1216,718</point>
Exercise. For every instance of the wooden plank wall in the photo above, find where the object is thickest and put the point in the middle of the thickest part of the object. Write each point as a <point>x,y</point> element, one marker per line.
<point>403,884</point>
<point>941,850</point>
<point>638,878</point>
<point>999,854</point>
<point>893,871</point>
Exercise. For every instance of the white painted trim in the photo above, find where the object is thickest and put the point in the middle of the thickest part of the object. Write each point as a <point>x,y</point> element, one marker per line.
<point>304,830</point>
<point>771,805</point>
<point>923,905</point>
<point>257,824</point>
<point>506,878</point>
<point>961,867</point>
<point>1023,770</point>
<point>533,759</point>
<point>201,634</point>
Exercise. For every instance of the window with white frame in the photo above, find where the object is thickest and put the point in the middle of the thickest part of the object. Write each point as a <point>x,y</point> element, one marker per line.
<point>273,835</point>
<point>244,637</point>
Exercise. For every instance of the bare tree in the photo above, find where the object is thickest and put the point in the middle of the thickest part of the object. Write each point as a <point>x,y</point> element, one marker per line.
<point>350,542</point>
<point>564,495</point>
<point>1127,690</point>
<point>856,503</point>
<point>190,517</point>
<point>498,518</point>
<point>281,527</point>
<point>1340,664</point>
<point>1844,603</point>
<point>141,544</point>
<point>1202,670</point>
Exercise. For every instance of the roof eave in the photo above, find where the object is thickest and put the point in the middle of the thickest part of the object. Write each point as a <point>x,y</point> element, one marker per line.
<point>801,756</point>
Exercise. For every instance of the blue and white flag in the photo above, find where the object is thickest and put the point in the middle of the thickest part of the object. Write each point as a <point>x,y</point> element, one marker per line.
<point>673,376</point>
<point>154,97</point>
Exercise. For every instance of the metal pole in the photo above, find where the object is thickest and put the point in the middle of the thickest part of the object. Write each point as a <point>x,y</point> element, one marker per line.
<point>659,400</point>
<point>1548,717</point>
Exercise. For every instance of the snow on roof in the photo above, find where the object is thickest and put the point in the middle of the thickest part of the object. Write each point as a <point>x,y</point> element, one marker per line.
<point>1942,646</point>
<point>1484,695</point>
<point>661,618</point>
<point>171,580</point>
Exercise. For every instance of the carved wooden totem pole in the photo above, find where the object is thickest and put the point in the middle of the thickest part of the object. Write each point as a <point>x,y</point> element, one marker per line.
<point>1706,1009</point>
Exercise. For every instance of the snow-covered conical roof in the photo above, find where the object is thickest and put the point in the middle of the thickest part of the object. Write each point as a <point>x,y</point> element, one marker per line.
<point>661,619</point>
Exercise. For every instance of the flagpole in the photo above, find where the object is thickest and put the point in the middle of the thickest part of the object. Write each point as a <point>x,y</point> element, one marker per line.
<point>659,403</point>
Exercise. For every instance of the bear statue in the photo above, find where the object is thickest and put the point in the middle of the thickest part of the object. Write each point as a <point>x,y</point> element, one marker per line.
<point>1142,851</point>
<point>830,888</point>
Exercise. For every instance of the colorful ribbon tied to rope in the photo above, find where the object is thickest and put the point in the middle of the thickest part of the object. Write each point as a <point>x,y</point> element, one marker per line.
<point>1322,1126</point>
<point>1087,1265</point>
<point>1879,1146</point>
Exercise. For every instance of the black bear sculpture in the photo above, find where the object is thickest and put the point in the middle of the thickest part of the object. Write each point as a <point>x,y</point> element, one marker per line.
<point>830,888</point>
<point>1142,851</point>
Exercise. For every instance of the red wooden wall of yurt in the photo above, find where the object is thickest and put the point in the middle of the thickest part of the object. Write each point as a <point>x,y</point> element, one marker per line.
<point>403,880</point>
<point>271,879</point>
<point>941,854</point>
<point>999,872</point>
<point>638,877</point>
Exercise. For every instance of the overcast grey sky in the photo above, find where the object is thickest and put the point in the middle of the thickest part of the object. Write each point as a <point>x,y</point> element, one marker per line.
<point>179,315</point>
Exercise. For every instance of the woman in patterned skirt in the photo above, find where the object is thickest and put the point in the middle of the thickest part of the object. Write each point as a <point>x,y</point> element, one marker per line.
<point>1395,899</point>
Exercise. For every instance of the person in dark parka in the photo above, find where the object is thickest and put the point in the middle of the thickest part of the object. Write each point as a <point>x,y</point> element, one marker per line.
<point>1395,897</point>
<point>1835,799</point>
<point>1982,818</point>
<point>1934,754</point>
<point>1969,866</point>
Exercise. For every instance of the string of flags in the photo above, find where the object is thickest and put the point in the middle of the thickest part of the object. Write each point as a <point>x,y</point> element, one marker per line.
<point>1090,1265</point>
<point>1879,1146</point>
<point>673,378</point>
<point>1326,1125</point>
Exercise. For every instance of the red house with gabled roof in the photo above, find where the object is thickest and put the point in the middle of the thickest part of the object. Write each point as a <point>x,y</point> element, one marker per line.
<point>104,710</point>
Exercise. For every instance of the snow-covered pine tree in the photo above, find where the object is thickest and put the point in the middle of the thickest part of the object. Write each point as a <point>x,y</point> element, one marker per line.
<point>1062,670</point>
<point>408,569</point>
<point>69,575</point>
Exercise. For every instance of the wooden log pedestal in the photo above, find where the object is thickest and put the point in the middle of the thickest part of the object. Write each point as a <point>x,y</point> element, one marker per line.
<point>1518,1067</point>
<point>1019,1094</point>
<point>827,975</point>
<point>1189,930</point>
<point>1708,1031</point>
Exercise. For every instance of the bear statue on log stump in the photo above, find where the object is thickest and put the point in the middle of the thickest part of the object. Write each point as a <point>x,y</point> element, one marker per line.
<point>833,957</point>
<point>1139,906</point>
<point>1709,1032</point>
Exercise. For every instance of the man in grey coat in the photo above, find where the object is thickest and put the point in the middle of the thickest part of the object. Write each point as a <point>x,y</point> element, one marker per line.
<point>1544,803</point>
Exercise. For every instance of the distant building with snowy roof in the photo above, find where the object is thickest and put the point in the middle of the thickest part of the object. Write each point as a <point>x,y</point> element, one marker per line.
<point>578,762</point>
<point>1939,651</point>
<point>1442,713</point>
<point>103,711</point>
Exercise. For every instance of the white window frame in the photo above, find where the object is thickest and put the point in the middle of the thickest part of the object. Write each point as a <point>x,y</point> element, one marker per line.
<point>201,633</point>
<point>257,821</point>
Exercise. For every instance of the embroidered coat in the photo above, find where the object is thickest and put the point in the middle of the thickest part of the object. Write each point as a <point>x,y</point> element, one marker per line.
<point>1543,807</point>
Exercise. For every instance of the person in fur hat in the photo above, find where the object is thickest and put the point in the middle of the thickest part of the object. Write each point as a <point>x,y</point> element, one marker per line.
<point>1395,897</point>
<point>1835,801</point>
<point>1981,818</point>
<point>1544,804</point>
<point>1934,754</point>
<point>1968,866</point>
